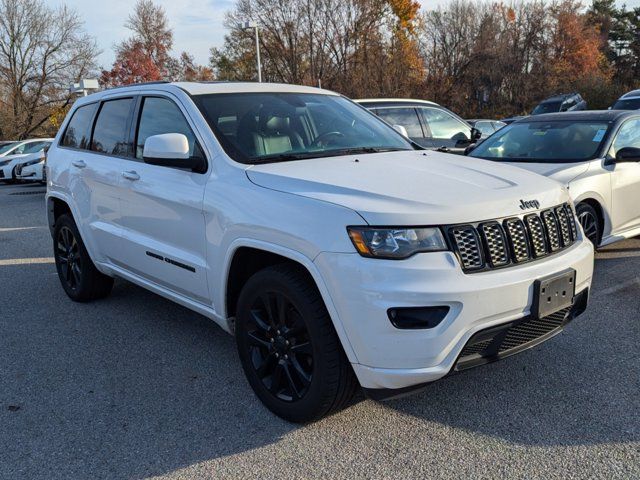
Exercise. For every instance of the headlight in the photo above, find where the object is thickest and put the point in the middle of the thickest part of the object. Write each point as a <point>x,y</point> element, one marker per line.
<point>5,162</point>
<point>33,162</point>
<point>396,243</point>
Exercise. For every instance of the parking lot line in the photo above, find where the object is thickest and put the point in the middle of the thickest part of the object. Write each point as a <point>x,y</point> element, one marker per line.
<point>25,261</point>
<point>18,229</point>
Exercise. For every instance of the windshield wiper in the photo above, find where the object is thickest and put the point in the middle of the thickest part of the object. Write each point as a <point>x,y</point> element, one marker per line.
<point>284,157</point>
<point>355,150</point>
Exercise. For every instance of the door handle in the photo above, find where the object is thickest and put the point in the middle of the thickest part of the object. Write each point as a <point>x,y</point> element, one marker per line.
<point>79,163</point>
<point>131,175</point>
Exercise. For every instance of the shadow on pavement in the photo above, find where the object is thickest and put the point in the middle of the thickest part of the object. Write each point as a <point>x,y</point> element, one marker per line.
<point>135,385</point>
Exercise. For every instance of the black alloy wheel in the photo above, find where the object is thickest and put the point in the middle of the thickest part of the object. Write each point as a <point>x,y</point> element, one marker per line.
<point>588,218</point>
<point>288,347</point>
<point>68,256</point>
<point>80,278</point>
<point>280,346</point>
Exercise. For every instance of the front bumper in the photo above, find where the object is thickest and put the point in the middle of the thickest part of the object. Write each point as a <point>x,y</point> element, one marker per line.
<point>362,290</point>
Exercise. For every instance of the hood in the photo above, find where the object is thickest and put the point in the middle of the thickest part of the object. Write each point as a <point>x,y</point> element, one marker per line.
<point>412,188</point>
<point>560,172</point>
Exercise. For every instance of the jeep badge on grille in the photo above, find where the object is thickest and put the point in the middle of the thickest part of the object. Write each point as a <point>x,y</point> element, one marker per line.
<point>527,204</point>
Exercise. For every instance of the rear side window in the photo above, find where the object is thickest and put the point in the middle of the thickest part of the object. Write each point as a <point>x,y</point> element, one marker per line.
<point>159,116</point>
<point>444,126</point>
<point>79,129</point>
<point>111,133</point>
<point>406,117</point>
<point>485,127</point>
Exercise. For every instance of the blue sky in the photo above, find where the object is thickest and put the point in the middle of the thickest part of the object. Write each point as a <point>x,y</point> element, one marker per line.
<point>197,24</point>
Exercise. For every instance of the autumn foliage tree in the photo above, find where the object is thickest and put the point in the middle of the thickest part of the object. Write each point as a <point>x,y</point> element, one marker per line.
<point>146,55</point>
<point>355,46</point>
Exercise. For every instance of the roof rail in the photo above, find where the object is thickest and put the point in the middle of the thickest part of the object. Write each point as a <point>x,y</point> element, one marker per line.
<point>158,82</point>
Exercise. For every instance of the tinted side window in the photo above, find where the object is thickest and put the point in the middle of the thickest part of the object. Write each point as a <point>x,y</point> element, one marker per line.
<point>161,115</point>
<point>485,127</point>
<point>628,136</point>
<point>407,117</point>
<point>111,135</point>
<point>79,128</point>
<point>445,126</point>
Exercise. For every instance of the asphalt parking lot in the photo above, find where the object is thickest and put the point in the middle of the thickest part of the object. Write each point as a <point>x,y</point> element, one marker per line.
<point>135,386</point>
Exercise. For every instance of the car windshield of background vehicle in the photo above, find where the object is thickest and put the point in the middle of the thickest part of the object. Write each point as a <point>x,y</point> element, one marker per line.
<point>547,107</point>
<point>7,147</point>
<point>270,127</point>
<point>544,142</point>
<point>629,104</point>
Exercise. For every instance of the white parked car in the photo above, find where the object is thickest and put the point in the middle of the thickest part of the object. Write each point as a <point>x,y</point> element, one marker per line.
<point>596,155</point>
<point>336,253</point>
<point>12,154</point>
<point>30,168</point>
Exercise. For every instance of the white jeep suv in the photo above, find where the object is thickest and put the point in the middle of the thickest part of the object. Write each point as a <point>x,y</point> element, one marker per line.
<point>335,250</point>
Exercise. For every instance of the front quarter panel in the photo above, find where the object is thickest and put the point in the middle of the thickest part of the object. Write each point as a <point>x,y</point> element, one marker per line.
<point>239,213</point>
<point>594,184</point>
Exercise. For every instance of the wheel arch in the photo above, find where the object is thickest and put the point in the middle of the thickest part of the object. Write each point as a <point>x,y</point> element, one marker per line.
<point>56,206</point>
<point>262,254</point>
<point>603,218</point>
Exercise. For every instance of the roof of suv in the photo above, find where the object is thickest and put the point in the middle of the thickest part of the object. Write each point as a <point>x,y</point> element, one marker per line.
<point>204,88</point>
<point>408,101</point>
<point>631,94</point>
<point>559,97</point>
<point>584,115</point>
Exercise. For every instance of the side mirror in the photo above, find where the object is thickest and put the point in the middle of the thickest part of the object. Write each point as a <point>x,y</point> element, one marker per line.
<point>401,130</point>
<point>475,134</point>
<point>628,154</point>
<point>170,150</point>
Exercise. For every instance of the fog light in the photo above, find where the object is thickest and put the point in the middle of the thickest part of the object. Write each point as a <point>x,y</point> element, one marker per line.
<point>413,318</point>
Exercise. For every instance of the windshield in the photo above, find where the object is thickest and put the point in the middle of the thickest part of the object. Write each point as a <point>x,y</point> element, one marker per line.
<point>7,147</point>
<point>547,107</point>
<point>269,127</point>
<point>35,147</point>
<point>629,104</point>
<point>544,142</point>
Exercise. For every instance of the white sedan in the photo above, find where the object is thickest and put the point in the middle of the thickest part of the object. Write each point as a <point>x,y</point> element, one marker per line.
<point>596,154</point>
<point>11,155</point>
<point>31,167</point>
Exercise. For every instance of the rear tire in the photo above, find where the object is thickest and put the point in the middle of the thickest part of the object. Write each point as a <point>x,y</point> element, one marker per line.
<point>288,348</point>
<point>588,218</point>
<point>79,277</point>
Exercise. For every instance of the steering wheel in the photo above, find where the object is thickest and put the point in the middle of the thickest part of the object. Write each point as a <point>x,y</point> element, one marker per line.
<point>325,136</point>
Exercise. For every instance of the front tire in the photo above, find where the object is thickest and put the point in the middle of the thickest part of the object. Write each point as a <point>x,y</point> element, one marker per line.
<point>79,277</point>
<point>590,222</point>
<point>288,348</point>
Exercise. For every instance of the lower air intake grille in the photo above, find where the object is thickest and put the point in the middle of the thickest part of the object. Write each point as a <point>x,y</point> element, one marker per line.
<point>498,342</point>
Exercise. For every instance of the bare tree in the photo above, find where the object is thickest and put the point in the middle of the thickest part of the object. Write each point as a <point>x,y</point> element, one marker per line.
<point>42,52</point>
<point>355,46</point>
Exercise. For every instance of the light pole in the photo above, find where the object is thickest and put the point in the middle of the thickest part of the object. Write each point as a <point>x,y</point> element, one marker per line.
<point>85,87</point>
<point>254,25</point>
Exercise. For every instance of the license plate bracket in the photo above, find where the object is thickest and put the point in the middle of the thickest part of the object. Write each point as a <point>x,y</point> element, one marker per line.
<point>553,293</point>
